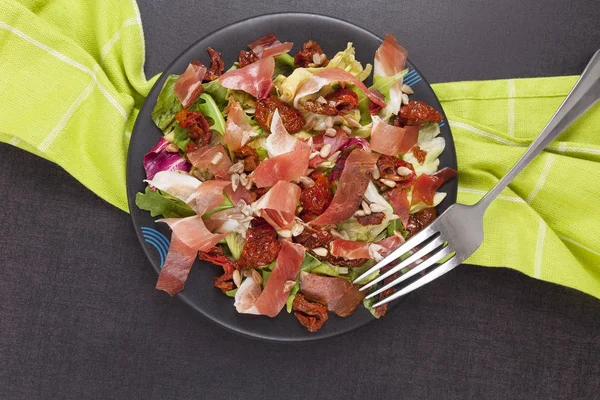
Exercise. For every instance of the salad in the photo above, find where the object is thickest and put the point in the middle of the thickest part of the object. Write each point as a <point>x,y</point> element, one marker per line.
<point>292,175</point>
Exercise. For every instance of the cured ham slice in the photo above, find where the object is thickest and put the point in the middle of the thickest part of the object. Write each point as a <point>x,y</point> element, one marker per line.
<point>279,141</point>
<point>392,140</point>
<point>400,203</point>
<point>192,232</point>
<point>273,297</point>
<point>246,295</point>
<point>390,59</point>
<point>278,205</point>
<point>426,185</point>
<point>269,45</point>
<point>254,79</point>
<point>353,250</point>
<point>352,185</point>
<point>336,142</point>
<point>177,267</point>
<point>238,130</point>
<point>188,85</point>
<point>338,294</point>
<point>208,195</point>
<point>207,157</point>
<point>329,75</point>
<point>241,193</point>
<point>285,167</point>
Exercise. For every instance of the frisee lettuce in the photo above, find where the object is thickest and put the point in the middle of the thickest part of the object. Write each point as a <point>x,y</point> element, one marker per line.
<point>160,203</point>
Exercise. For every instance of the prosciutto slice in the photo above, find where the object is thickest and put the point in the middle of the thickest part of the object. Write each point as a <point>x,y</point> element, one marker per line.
<point>188,85</point>
<point>269,45</point>
<point>273,297</point>
<point>285,167</point>
<point>254,79</point>
<point>338,294</point>
<point>390,59</point>
<point>400,203</point>
<point>193,233</point>
<point>426,185</point>
<point>336,142</point>
<point>279,141</point>
<point>208,195</point>
<point>329,75</point>
<point>352,185</point>
<point>392,140</point>
<point>353,250</point>
<point>241,193</point>
<point>238,130</point>
<point>206,158</point>
<point>278,205</point>
<point>177,267</point>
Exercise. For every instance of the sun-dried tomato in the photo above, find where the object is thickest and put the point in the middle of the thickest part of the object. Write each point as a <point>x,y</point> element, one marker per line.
<point>250,157</point>
<point>217,65</point>
<point>418,112</point>
<point>419,220</point>
<point>190,147</point>
<point>261,247</point>
<point>216,256</point>
<point>305,56</point>
<point>260,192</point>
<point>337,102</point>
<point>312,238</point>
<point>374,108</point>
<point>371,219</point>
<point>388,169</point>
<point>315,199</point>
<point>419,154</point>
<point>196,124</point>
<point>292,119</point>
<point>246,57</point>
<point>382,310</point>
<point>311,315</point>
<point>345,262</point>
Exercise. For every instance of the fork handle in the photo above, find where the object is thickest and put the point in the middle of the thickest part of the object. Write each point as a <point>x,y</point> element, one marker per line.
<point>581,98</point>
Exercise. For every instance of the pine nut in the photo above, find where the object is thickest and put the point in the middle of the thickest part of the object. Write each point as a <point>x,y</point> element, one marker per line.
<point>376,174</point>
<point>285,233</point>
<point>313,155</point>
<point>257,277</point>
<point>172,148</point>
<point>235,181</point>
<point>325,150</point>
<point>404,98</point>
<point>216,158</point>
<point>237,278</point>
<point>320,251</point>
<point>388,183</point>
<point>346,129</point>
<point>407,89</point>
<point>376,208</point>
<point>366,208</point>
<point>288,285</point>
<point>331,132</point>
<point>321,99</point>
<point>297,229</point>
<point>404,171</point>
<point>359,213</point>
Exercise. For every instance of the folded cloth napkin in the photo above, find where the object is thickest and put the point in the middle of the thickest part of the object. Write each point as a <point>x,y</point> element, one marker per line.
<point>72,82</point>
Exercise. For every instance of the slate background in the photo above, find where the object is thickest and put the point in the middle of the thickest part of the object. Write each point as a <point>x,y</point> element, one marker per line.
<point>79,317</point>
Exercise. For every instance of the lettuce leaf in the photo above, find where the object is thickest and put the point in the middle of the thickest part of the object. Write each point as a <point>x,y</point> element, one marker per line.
<point>288,87</point>
<point>347,61</point>
<point>383,84</point>
<point>235,242</point>
<point>207,106</point>
<point>290,300</point>
<point>167,105</point>
<point>159,203</point>
<point>368,304</point>
<point>180,137</point>
<point>217,91</point>
<point>284,64</point>
<point>232,292</point>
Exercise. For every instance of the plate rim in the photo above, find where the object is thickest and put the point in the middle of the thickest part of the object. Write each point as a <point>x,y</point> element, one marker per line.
<point>182,296</point>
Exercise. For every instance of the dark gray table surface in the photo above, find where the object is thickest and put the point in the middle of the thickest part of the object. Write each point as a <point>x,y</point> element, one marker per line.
<point>79,316</point>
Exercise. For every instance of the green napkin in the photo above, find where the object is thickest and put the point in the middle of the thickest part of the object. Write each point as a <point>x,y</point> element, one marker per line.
<point>72,82</point>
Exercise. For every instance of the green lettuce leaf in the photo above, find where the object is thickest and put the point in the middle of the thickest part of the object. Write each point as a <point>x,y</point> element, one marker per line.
<point>383,84</point>
<point>291,297</point>
<point>284,64</point>
<point>309,263</point>
<point>288,87</point>
<point>235,243</point>
<point>167,105</point>
<point>232,292</point>
<point>160,203</point>
<point>180,137</point>
<point>368,304</point>
<point>217,91</point>
<point>226,204</point>
<point>207,106</point>
<point>347,61</point>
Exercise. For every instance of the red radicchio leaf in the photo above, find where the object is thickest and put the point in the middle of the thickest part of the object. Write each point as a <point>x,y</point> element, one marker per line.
<point>159,159</point>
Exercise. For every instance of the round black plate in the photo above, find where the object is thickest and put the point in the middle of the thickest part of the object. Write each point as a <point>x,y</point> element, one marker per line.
<point>333,35</point>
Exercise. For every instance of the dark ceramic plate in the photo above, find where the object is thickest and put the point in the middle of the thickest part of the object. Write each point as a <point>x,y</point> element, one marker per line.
<point>333,35</point>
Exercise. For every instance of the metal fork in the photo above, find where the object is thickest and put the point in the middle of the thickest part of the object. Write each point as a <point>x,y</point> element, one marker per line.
<point>458,232</point>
